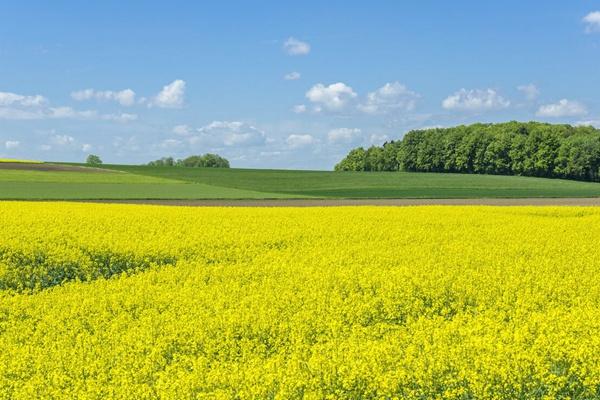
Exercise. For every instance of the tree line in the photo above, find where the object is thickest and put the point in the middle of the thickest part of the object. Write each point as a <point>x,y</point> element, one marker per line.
<point>511,148</point>
<point>207,160</point>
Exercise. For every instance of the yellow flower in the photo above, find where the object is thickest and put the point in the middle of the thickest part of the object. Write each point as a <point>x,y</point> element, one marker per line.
<point>148,302</point>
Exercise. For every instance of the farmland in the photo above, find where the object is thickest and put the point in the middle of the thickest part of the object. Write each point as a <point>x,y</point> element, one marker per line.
<point>126,301</point>
<point>86,183</point>
<point>145,182</point>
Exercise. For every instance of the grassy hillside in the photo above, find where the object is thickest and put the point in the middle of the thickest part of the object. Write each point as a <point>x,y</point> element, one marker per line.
<point>12,175</point>
<point>75,185</point>
<point>116,191</point>
<point>372,184</point>
<point>143,182</point>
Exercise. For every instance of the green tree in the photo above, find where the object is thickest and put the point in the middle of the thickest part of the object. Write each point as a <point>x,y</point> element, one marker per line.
<point>204,161</point>
<point>93,159</point>
<point>512,148</point>
<point>354,161</point>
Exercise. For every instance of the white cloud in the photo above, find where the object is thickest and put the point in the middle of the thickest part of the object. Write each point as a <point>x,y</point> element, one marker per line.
<point>121,117</point>
<point>68,112</point>
<point>19,107</point>
<point>378,139</point>
<point>592,22</point>
<point>12,113</point>
<point>63,112</point>
<point>530,91</point>
<point>297,141</point>
<point>292,76</point>
<point>295,47</point>
<point>564,108</point>
<point>126,146</point>
<point>269,153</point>
<point>86,147</point>
<point>62,140</point>
<point>182,130</point>
<point>592,122</point>
<point>228,133</point>
<point>171,95</point>
<point>299,109</point>
<point>124,97</point>
<point>392,96</point>
<point>344,135</point>
<point>82,95</point>
<point>13,99</point>
<point>333,97</point>
<point>170,143</point>
<point>12,144</point>
<point>18,114</point>
<point>475,100</point>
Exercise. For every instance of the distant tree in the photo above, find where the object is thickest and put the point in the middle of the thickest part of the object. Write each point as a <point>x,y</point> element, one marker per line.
<point>214,161</point>
<point>205,161</point>
<point>93,159</point>
<point>511,148</point>
<point>163,162</point>
<point>354,161</point>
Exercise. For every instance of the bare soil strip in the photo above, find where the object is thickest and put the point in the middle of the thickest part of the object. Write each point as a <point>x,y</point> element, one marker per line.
<point>595,201</point>
<point>52,167</point>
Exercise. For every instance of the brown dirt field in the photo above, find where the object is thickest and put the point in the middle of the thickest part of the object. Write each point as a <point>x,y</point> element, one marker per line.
<point>52,167</point>
<point>362,202</point>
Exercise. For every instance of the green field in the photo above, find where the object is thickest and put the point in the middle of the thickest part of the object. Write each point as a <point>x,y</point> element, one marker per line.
<point>143,182</point>
<point>70,185</point>
<point>322,184</point>
<point>115,191</point>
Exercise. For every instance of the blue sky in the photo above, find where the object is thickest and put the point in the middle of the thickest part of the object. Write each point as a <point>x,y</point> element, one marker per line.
<point>274,85</point>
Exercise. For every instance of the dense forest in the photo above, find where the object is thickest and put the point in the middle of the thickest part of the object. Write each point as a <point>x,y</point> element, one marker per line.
<point>207,160</point>
<point>511,148</point>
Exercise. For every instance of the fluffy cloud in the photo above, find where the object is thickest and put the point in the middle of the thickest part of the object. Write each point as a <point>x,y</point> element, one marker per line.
<point>333,97</point>
<point>121,117</point>
<point>182,130</point>
<point>593,122</point>
<point>124,97</point>
<point>19,107</point>
<point>299,109</point>
<point>378,139</point>
<point>68,112</point>
<point>171,95</point>
<point>170,143</point>
<point>564,108</point>
<point>18,114</point>
<point>295,47</point>
<point>344,135</point>
<point>475,100</point>
<point>592,22</point>
<point>227,133</point>
<point>13,99</point>
<point>530,91</point>
<point>45,113</point>
<point>292,76</point>
<point>297,141</point>
<point>12,144</point>
<point>392,96</point>
<point>62,140</point>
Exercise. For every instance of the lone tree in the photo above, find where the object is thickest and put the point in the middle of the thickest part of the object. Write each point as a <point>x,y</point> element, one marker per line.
<point>93,159</point>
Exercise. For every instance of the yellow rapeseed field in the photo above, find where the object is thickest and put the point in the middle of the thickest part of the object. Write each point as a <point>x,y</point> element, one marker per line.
<point>148,302</point>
